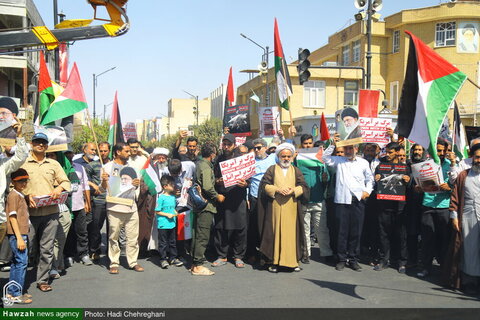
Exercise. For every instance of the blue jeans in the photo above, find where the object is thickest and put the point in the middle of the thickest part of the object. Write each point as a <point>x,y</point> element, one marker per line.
<point>18,268</point>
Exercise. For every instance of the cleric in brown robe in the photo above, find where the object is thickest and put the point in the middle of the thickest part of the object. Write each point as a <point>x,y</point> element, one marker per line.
<point>462,267</point>
<point>280,213</point>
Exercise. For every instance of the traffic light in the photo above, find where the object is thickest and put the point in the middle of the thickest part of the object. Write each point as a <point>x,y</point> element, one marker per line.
<point>303,64</point>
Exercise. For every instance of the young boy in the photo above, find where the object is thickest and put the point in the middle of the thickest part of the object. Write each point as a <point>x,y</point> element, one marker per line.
<point>166,222</point>
<point>17,231</point>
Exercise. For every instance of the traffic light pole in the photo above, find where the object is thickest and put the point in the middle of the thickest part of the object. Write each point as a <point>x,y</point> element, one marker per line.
<point>344,67</point>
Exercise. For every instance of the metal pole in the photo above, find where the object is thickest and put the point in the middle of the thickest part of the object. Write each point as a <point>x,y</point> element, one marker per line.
<point>196,102</point>
<point>94,85</point>
<point>369,44</point>
<point>57,55</point>
<point>266,78</point>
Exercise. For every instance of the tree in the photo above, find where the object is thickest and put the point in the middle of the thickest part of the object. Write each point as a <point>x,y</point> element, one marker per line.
<point>210,130</point>
<point>86,135</point>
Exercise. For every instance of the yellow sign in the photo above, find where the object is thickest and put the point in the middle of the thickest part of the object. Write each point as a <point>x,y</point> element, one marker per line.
<point>46,36</point>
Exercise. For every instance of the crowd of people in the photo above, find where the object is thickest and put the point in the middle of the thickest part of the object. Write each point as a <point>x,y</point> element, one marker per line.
<point>270,221</point>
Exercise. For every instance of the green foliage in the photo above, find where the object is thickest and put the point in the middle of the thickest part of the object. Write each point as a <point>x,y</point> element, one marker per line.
<point>209,130</point>
<point>86,135</point>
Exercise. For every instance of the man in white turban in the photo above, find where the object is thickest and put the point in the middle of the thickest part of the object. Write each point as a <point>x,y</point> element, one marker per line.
<point>280,214</point>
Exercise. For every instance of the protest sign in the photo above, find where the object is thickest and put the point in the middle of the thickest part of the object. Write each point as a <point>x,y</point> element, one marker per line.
<point>269,120</point>
<point>428,175</point>
<point>43,201</point>
<point>391,185</point>
<point>236,169</point>
<point>374,130</point>
<point>57,138</point>
<point>237,120</point>
<point>120,187</point>
<point>130,131</point>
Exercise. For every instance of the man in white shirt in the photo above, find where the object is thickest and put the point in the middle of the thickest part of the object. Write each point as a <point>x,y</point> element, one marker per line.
<point>354,183</point>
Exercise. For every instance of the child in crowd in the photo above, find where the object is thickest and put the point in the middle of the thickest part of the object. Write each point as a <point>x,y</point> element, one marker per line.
<point>17,230</point>
<point>166,222</point>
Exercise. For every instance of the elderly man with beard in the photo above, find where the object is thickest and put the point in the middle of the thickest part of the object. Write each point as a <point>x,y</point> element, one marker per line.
<point>280,213</point>
<point>231,218</point>
<point>413,208</point>
<point>89,152</point>
<point>354,183</point>
<point>462,269</point>
<point>456,168</point>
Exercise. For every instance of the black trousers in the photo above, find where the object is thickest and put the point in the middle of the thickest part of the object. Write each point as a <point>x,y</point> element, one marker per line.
<point>392,231</point>
<point>350,223</point>
<point>370,241</point>
<point>77,239</point>
<point>253,238</point>
<point>167,243</point>
<point>435,235</point>
<point>99,215</point>
<point>332,224</point>
<point>236,239</point>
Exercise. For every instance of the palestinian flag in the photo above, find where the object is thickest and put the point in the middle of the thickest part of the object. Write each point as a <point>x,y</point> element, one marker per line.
<point>150,178</point>
<point>311,157</point>
<point>459,137</point>
<point>184,225</point>
<point>45,88</point>
<point>430,87</point>
<point>230,96</point>
<point>324,133</point>
<point>70,101</point>
<point>284,85</point>
<point>115,134</point>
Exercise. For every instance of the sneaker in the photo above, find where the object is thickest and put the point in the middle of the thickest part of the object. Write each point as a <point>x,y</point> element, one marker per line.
<point>86,260</point>
<point>176,262</point>
<point>402,270</point>
<point>340,266</point>
<point>355,266</point>
<point>423,274</point>
<point>68,262</point>
<point>164,264</point>
<point>5,268</point>
<point>381,266</point>
<point>305,260</point>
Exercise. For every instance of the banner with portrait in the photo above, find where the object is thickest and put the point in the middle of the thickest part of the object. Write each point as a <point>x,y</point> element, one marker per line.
<point>8,135</point>
<point>57,138</point>
<point>348,127</point>
<point>120,185</point>
<point>269,120</point>
<point>467,37</point>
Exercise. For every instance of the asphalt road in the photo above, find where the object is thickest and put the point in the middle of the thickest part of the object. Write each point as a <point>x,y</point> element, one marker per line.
<point>317,286</point>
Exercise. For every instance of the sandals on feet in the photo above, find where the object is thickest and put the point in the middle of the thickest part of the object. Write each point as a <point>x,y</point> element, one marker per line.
<point>21,299</point>
<point>44,287</point>
<point>138,268</point>
<point>239,263</point>
<point>113,270</point>
<point>219,262</point>
<point>202,271</point>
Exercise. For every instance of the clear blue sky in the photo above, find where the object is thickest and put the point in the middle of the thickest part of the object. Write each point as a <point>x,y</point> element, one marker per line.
<point>191,44</point>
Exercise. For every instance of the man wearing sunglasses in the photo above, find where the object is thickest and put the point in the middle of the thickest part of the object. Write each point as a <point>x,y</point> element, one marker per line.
<point>262,162</point>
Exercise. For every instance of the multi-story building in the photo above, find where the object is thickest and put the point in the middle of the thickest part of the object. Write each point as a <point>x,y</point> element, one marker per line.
<point>444,27</point>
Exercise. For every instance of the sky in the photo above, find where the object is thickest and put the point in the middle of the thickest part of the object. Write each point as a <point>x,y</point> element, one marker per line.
<point>191,44</point>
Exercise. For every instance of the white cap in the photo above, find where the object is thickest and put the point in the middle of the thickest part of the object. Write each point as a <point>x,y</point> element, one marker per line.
<point>160,151</point>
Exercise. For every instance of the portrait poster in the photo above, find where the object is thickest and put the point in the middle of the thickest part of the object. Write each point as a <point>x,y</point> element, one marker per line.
<point>237,120</point>
<point>472,132</point>
<point>467,37</point>
<point>8,135</point>
<point>120,187</point>
<point>374,130</point>
<point>391,185</point>
<point>236,169</point>
<point>347,126</point>
<point>57,138</point>
<point>269,119</point>
<point>428,175</point>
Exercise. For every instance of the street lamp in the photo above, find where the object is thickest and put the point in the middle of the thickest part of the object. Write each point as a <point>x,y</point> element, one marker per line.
<point>105,110</point>
<point>95,76</point>
<point>196,104</point>
<point>168,123</point>
<point>264,59</point>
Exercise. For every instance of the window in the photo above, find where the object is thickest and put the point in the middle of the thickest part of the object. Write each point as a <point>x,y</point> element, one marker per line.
<point>350,95</point>
<point>356,51</point>
<point>445,34</point>
<point>314,94</point>
<point>396,41</point>
<point>394,95</point>
<point>346,55</point>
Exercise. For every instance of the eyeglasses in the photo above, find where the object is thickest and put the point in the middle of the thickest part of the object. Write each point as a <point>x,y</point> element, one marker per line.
<point>43,142</point>
<point>258,148</point>
<point>4,114</point>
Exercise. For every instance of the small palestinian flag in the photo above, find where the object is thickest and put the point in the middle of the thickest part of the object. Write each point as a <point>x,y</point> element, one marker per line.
<point>115,134</point>
<point>284,85</point>
<point>459,137</point>
<point>430,87</point>
<point>45,88</point>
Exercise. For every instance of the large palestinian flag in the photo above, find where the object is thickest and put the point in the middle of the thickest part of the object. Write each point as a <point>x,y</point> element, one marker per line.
<point>45,88</point>
<point>430,87</point>
<point>284,85</point>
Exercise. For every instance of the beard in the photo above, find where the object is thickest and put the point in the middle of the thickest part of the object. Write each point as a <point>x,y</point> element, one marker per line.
<point>89,156</point>
<point>417,157</point>
<point>476,167</point>
<point>285,163</point>
<point>161,165</point>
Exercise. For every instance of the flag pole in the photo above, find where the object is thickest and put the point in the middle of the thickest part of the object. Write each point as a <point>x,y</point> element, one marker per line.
<point>471,81</point>
<point>90,124</point>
